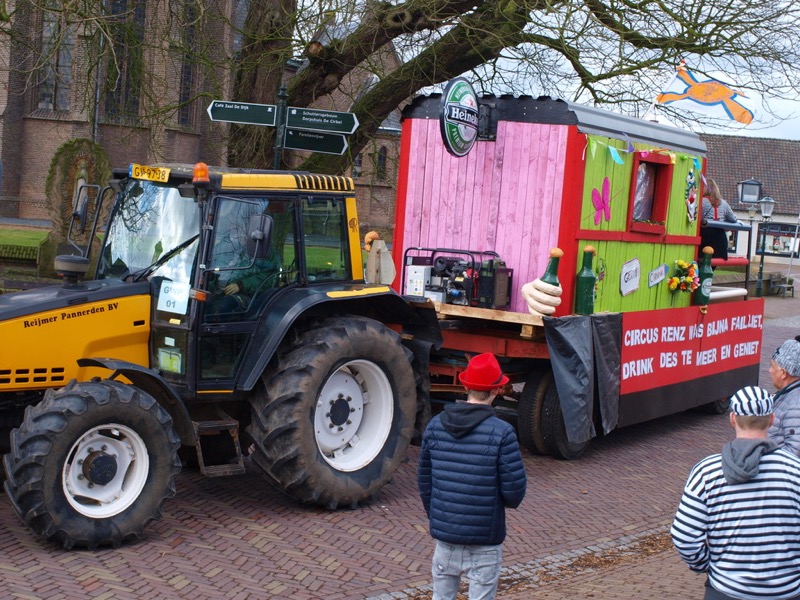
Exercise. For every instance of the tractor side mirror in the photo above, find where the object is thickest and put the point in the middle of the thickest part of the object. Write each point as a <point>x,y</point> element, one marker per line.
<point>259,234</point>
<point>80,207</point>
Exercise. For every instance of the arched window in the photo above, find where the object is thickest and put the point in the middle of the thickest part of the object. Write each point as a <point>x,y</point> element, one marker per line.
<point>357,165</point>
<point>55,79</point>
<point>125,72</point>
<point>380,163</point>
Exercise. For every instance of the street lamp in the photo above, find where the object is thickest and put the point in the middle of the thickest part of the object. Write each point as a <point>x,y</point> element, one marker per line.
<point>292,66</point>
<point>767,205</point>
<point>749,191</point>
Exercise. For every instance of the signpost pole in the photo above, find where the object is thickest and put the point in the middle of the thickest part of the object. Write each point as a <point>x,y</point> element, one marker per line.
<point>280,121</point>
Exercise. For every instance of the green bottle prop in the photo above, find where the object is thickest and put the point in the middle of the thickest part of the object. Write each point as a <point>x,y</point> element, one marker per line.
<point>551,274</point>
<point>584,284</point>
<point>702,294</point>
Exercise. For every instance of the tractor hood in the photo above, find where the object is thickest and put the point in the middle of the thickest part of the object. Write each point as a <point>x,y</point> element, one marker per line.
<point>45,331</point>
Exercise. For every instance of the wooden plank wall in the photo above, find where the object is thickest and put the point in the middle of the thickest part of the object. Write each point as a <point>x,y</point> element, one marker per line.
<point>504,196</point>
<point>612,255</point>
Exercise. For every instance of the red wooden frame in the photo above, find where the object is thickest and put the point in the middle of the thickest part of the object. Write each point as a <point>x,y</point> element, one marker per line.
<point>661,192</point>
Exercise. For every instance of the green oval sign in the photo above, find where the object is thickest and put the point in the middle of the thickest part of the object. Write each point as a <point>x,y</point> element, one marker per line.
<point>458,117</point>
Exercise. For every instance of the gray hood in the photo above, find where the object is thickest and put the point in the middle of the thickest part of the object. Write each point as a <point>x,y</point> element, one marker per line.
<point>740,458</point>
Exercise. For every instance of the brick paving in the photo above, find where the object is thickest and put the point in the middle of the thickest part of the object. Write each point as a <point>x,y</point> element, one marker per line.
<point>593,528</point>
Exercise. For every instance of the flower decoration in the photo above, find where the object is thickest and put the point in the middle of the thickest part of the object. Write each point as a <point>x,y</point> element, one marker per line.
<point>685,277</point>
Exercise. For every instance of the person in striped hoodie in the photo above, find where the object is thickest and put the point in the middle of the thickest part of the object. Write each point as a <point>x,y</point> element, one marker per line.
<point>739,517</point>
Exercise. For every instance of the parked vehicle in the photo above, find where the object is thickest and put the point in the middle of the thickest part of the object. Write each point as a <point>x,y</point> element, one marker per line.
<point>472,228</point>
<point>227,310</point>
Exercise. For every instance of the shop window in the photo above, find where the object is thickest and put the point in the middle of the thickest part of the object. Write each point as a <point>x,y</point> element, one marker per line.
<point>650,188</point>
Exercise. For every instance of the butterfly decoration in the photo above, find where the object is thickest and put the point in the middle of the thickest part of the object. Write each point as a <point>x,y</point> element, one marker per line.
<point>602,202</point>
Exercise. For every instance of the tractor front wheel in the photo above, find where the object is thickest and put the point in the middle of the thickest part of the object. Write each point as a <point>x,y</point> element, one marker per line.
<point>92,464</point>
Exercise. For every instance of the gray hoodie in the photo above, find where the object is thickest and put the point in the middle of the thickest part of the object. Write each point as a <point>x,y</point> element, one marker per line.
<point>740,458</point>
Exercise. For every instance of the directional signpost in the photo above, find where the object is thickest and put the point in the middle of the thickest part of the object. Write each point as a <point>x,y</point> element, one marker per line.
<point>309,129</point>
<point>329,143</point>
<point>321,120</point>
<point>242,112</point>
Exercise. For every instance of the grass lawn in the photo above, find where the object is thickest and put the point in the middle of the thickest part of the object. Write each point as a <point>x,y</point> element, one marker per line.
<point>22,237</point>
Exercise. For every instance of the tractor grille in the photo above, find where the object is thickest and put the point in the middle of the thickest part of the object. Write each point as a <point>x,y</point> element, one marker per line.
<point>41,375</point>
<point>324,182</point>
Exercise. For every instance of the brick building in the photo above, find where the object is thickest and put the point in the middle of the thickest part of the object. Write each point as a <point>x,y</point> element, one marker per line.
<point>52,91</point>
<point>732,159</point>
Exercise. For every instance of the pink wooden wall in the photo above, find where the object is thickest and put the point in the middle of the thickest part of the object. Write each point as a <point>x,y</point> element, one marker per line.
<point>503,196</point>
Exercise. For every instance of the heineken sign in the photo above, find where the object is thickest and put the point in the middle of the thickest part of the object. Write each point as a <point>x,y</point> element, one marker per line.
<point>458,118</point>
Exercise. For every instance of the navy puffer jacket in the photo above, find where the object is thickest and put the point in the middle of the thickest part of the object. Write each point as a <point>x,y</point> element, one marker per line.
<point>470,470</point>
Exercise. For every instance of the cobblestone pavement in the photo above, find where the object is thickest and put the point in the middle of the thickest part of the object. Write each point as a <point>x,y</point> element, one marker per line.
<point>592,528</point>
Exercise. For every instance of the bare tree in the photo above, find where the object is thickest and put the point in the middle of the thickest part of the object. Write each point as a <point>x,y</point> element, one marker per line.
<point>614,52</point>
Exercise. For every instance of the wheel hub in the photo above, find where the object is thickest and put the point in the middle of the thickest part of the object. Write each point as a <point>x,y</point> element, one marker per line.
<point>100,468</point>
<point>340,410</point>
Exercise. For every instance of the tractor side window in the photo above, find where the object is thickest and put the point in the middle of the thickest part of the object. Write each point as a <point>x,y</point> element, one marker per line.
<point>325,240</point>
<point>238,282</point>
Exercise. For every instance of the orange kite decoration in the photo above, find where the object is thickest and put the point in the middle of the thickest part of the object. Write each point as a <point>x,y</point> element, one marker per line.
<point>707,96</point>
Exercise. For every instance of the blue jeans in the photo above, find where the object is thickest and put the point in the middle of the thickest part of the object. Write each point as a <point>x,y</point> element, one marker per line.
<point>481,565</point>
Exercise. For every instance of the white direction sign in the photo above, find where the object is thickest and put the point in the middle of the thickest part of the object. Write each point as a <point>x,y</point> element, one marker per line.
<point>314,119</point>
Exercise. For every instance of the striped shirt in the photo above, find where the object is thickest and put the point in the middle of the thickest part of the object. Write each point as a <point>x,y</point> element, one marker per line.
<point>745,535</point>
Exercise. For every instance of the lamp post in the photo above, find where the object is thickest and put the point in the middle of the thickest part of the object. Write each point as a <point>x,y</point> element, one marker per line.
<point>767,205</point>
<point>749,192</point>
<point>292,66</point>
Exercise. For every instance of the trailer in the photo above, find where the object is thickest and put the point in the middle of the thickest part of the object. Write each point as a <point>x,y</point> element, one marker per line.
<point>475,225</point>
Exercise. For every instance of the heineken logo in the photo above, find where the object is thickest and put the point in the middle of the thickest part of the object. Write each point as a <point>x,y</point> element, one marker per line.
<point>458,117</point>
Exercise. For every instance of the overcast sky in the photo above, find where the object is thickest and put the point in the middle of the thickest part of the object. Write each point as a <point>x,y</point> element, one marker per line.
<point>766,126</point>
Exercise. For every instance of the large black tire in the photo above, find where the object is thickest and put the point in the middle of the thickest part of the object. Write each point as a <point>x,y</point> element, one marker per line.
<point>92,464</point>
<point>717,407</point>
<point>554,431</point>
<point>335,415</point>
<point>529,412</point>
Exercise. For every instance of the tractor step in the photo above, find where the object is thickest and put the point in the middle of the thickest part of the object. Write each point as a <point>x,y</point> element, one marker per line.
<point>219,429</point>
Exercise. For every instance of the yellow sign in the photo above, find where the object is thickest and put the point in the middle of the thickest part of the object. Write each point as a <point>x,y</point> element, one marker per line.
<point>160,174</point>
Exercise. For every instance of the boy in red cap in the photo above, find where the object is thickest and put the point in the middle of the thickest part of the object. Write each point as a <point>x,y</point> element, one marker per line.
<point>470,470</point>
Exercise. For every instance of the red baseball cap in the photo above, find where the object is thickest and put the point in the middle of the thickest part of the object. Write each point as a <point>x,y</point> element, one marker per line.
<point>483,373</point>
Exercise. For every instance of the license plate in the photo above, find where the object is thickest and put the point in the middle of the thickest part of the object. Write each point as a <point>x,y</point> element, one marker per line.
<point>159,174</point>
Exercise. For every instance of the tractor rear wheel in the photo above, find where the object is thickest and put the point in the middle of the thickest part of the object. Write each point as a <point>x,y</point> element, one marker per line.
<point>717,407</point>
<point>335,415</point>
<point>554,431</point>
<point>92,464</point>
<point>529,412</point>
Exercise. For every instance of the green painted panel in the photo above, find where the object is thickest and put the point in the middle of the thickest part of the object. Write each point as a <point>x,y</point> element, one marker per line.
<point>600,164</point>
<point>685,181</point>
<point>608,264</point>
<point>601,153</point>
<point>602,156</point>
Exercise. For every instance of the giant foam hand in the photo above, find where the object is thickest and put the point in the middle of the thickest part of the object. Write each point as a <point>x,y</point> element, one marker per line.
<point>542,298</point>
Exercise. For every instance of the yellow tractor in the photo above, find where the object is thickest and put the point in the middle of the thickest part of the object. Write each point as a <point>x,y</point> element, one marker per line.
<point>227,314</point>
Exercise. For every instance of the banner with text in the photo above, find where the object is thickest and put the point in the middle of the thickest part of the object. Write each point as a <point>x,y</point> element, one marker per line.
<point>665,347</point>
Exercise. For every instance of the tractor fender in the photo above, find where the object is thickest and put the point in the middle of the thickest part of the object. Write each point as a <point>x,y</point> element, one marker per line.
<point>152,383</point>
<point>379,302</point>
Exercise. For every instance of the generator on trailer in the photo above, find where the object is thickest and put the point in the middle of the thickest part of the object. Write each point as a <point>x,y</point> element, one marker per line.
<point>228,310</point>
<point>616,338</point>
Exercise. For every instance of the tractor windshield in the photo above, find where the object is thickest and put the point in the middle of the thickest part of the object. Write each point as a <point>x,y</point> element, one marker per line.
<point>153,231</point>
